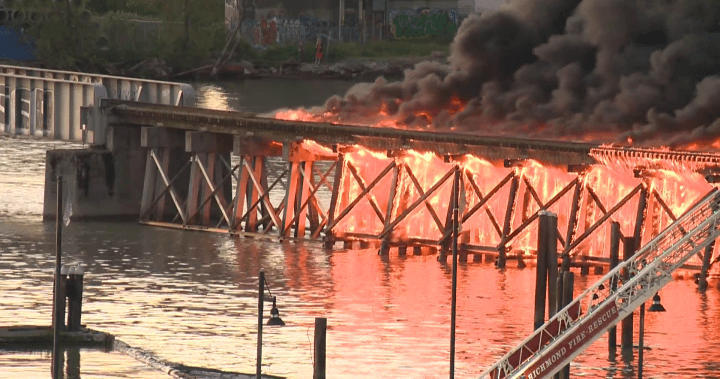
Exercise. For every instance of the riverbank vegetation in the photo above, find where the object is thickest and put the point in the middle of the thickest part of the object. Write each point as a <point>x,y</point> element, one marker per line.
<point>116,36</point>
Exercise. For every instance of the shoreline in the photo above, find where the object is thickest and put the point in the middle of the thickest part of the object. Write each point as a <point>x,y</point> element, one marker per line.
<point>356,68</point>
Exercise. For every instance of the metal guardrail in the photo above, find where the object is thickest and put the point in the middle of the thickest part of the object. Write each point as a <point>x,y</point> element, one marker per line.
<point>46,103</point>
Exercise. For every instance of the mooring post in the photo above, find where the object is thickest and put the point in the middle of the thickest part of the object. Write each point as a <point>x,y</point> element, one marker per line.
<point>614,260</point>
<point>641,341</point>
<point>261,288</point>
<point>74,293</point>
<point>567,298</point>
<point>627,323</point>
<point>702,280</point>
<point>552,264</point>
<point>58,295</point>
<point>455,229</point>
<point>320,333</point>
<point>541,275</point>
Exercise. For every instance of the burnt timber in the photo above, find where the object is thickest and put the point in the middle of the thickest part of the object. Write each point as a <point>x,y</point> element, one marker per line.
<point>188,182</point>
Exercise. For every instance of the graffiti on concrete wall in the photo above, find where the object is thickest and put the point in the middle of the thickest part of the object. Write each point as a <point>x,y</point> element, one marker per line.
<point>423,22</point>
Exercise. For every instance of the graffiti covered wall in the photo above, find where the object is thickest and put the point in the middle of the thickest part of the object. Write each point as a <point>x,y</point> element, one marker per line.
<point>423,22</point>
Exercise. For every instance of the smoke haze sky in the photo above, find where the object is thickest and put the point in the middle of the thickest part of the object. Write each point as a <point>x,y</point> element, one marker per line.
<point>600,70</point>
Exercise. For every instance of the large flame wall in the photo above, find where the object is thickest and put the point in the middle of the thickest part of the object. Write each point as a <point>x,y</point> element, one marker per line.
<point>602,187</point>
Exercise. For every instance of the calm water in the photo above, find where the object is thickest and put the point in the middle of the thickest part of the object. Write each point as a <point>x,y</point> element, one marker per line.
<point>190,297</point>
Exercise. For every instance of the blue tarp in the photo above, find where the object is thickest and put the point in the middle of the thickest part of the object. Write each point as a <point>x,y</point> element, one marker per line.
<point>13,45</point>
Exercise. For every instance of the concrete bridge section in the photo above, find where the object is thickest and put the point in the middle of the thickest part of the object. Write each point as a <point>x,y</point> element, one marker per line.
<point>46,103</point>
<point>236,173</point>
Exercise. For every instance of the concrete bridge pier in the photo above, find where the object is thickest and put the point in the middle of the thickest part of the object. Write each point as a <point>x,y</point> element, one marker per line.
<point>101,183</point>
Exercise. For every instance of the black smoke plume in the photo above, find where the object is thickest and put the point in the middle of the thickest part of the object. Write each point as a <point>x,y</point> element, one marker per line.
<point>646,71</point>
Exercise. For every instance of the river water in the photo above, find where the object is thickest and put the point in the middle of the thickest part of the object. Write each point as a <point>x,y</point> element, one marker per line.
<point>190,297</point>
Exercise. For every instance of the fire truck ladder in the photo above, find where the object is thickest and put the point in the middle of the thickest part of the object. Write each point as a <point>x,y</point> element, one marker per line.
<point>597,309</point>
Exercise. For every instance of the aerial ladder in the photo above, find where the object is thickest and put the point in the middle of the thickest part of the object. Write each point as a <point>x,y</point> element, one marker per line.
<point>597,309</point>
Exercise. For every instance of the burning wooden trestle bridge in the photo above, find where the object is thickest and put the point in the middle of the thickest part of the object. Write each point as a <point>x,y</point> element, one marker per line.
<point>392,189</point>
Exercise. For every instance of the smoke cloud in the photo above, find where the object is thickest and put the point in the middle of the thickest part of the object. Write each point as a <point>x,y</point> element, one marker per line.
<point>646,71</point>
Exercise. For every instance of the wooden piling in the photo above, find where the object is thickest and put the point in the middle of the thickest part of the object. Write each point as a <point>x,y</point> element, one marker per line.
<point>306,172</point>
<point>329,239</point>
<point>74,294</point>
<point>572,225</point>
<point>261,291</point>
<point>552,263</point>
<point>507,224</point>
<point>541,277</point>
<point>320,336</point>
<point>627,323</point>
<point>58,294</point>
<point>707,255</point>
<point>614,260</point>
<point>567,298</point>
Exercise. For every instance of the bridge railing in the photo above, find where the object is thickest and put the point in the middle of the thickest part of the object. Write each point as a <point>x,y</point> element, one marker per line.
<point>46,103</point>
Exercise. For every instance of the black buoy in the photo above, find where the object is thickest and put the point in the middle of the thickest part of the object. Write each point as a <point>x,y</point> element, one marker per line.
<point>275,319</point>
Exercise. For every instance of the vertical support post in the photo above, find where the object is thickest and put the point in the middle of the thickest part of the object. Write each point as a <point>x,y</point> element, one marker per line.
<point>541,275</point>
<point>509,212</point>
<point>320,334</point>
<point>361,17</point>
<point>455,229</point>
<point>164,159</point>
<point>614,260</point>
<point>57,319</point>
<point>313,210</point>
<point>207,160</point>
<point>253,195</point>
<point>307,167</point>
<point>75,293</point>
<point>385,246</point>
<point>290,198</point>
<point>567,297</point>
<point>572,225</point>
<point>341,16</point>
<point>149,186</point>
<point>552,265</point>
<point>627,323</point>
<point>640,218</point>
<point>240,193</point>
<point>337,183</point>
<point>641,341</point>
<point>194,188</point>
<point>261,290</point>
<point>261,170</point>
<point>702,281</point>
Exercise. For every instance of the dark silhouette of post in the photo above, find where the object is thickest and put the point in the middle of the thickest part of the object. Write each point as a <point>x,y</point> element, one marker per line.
<point>57,318</point>
<point>641,341</point>
<point>567,298</point>
<point>320,333</point>
<point>541,277</point>
<point>455,220</point>
<point>614,260</point>
<point>626,344</point>
<point>261,282</point>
